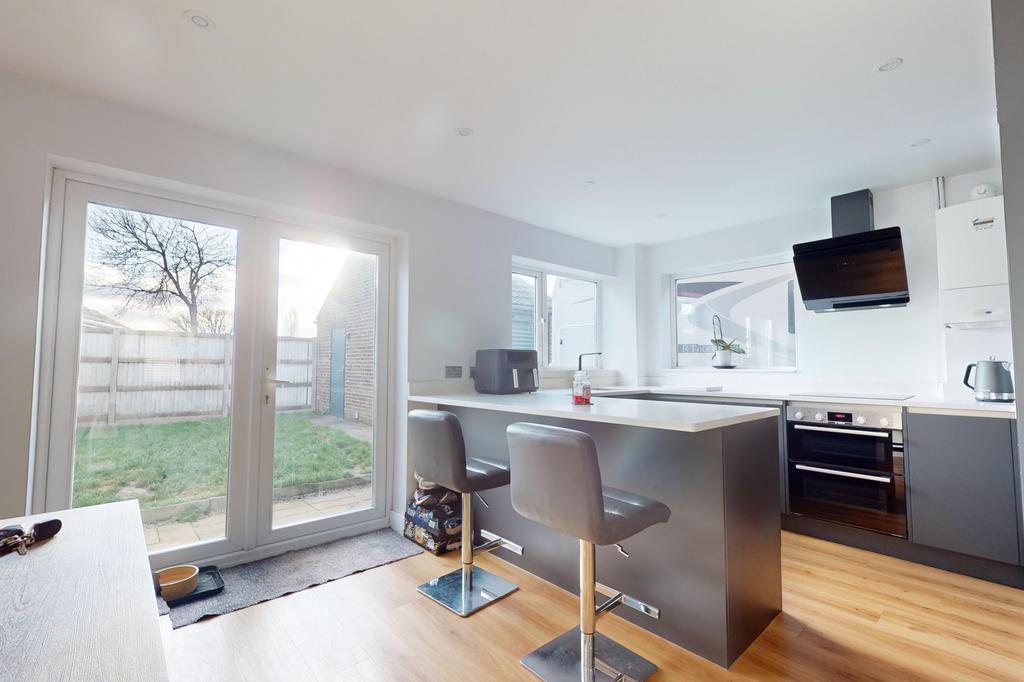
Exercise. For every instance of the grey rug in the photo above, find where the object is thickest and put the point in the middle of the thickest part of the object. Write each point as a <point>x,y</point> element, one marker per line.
<point>252,583</point>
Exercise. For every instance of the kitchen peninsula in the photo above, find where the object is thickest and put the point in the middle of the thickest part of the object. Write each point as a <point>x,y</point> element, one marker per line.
<point>714,569</point>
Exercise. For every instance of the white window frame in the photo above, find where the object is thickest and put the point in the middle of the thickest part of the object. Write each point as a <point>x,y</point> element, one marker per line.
<point>724,269</point>
<point>245,539</point>
<point>540,342</point>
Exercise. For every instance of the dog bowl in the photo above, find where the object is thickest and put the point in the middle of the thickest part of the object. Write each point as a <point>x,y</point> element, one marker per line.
<point>177,581</point>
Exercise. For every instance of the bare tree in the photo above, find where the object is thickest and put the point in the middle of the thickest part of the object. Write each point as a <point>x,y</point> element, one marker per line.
<point>160,262</point>
<point>211,321</point>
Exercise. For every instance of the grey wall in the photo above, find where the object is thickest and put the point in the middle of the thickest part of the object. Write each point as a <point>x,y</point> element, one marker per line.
<point>1008,43</point>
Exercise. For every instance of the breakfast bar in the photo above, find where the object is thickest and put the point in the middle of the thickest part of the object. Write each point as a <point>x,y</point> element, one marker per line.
<point>714,570</point>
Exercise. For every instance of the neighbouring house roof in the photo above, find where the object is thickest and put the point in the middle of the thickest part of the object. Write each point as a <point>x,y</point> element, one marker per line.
<point>356,265</point>
<point>524,302</point>
<point>522,293</point>
<point>94,320</point>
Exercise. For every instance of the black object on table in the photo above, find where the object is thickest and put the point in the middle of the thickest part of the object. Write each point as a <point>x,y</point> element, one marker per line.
<point>17,539</point>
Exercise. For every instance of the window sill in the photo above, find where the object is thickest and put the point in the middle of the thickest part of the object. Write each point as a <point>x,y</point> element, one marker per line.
<point>593,371</point>
<point>735,370</point>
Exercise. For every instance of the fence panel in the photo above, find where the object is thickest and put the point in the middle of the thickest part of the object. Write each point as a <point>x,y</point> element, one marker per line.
<point>127,375</point>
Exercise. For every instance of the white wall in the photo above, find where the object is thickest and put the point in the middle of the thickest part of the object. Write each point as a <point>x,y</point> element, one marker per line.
<point>621,328</point>
<point>454,263</point>
<point>883,349</point>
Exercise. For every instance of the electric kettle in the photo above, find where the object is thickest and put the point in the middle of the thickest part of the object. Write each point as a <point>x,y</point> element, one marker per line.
<point>992,380</point>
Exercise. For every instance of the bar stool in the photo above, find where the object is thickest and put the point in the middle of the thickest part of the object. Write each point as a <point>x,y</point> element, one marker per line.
<point>439,455</point>
<point>556,481</point>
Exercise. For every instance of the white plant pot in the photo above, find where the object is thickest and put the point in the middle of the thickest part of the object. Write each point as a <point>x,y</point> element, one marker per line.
<point>722,358</point>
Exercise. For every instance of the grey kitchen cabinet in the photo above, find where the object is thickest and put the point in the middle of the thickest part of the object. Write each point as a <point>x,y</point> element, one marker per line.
<point>962,485</point>
<point>747,402</point>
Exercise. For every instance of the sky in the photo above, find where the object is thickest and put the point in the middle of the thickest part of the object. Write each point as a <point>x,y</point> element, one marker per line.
<point>306,273</point>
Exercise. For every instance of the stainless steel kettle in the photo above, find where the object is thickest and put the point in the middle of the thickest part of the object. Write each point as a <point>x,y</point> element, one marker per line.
<point>992,380</point>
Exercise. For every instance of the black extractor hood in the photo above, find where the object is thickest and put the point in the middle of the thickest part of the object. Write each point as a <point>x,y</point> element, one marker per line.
<point>859,267</point>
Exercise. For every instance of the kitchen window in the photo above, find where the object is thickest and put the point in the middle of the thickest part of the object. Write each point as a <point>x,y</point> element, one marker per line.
<point>554,315</point>
<point>756,307</point>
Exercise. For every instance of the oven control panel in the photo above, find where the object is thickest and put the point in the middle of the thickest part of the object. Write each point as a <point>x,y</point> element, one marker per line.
<point>835,414</point>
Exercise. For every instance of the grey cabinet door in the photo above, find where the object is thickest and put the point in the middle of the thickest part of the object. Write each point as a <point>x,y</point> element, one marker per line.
<point>783,465</point>
<point>961,485</point>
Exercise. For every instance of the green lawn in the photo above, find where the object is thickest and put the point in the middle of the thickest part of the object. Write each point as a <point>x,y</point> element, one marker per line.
<point>162,464</point>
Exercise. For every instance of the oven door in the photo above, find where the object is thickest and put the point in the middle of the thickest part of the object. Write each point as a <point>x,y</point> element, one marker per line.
<point>849,476</point>
<point>843,447</point>
<point>869,500</point>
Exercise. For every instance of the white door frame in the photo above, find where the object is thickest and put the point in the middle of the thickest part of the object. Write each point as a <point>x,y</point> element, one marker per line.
<point>57,380</point>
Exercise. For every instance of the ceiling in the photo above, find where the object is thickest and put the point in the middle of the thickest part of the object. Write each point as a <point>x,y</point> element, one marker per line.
<point>684,115</point>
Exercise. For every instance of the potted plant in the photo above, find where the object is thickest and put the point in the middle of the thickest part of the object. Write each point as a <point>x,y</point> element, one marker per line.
<point>722,357</point>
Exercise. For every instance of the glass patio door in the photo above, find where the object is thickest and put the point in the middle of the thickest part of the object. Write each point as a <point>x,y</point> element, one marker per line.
<point>226,371</point>
<point>322,423</point>
<point>149,380</point>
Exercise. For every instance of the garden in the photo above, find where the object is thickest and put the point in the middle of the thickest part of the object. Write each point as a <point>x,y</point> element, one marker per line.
<point>164,464</point>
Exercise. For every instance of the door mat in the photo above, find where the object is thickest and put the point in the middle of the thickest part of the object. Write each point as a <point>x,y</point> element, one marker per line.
<point>259,581</point>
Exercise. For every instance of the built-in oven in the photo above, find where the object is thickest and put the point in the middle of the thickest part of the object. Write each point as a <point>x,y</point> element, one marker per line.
<point>846,465</point>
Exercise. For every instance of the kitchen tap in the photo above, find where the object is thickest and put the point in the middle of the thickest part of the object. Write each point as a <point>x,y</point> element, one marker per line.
<point>579,367</point>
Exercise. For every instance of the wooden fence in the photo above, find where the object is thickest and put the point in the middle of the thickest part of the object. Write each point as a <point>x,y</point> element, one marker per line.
<point>129,376</point>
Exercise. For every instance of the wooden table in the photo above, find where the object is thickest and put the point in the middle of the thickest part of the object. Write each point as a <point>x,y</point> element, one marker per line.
<point>81,606</point>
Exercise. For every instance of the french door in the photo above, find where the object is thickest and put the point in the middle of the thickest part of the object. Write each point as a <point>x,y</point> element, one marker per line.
<point>227,371</point>
<point>322,461</point>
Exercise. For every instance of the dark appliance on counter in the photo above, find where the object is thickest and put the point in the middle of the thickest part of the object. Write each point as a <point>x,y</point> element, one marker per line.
<point>845,465</point>
<point>506,370</point>
<point>853,269</point>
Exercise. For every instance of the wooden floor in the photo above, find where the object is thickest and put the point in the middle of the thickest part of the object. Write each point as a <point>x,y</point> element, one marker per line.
<point>848,615</point>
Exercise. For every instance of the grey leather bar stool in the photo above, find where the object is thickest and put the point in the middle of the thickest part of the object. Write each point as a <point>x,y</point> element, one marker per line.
<point>556,481</point>
<point>439,456</point>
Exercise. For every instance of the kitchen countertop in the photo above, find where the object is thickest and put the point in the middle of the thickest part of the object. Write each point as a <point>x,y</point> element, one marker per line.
<point>673,416</point>
<point>925,404</point>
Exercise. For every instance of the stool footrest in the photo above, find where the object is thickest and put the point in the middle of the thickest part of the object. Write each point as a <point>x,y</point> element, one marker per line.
<point>495,541</point>
<point>622,599</point>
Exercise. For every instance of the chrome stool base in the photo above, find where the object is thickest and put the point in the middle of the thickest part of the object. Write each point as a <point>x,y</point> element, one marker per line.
<point>466,594</point>
<point>560,660</point>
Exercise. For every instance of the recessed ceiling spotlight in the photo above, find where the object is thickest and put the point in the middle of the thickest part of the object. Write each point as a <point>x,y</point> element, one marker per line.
<point>199,20</point>
<point>920,142</point>
<point>889,65</point>
<point>464,132</point>
<point>659,216</point>
<point>589,183</point>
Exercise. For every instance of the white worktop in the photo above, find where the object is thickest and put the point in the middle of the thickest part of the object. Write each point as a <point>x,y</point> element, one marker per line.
<point>557,402</point>
<point>962,405</point>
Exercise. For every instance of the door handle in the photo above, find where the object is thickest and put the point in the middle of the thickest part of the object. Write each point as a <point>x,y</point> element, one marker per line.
<point>844,474</point>
<point>271,381</point>
<point>845,432</point>
<point>270,384</point>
